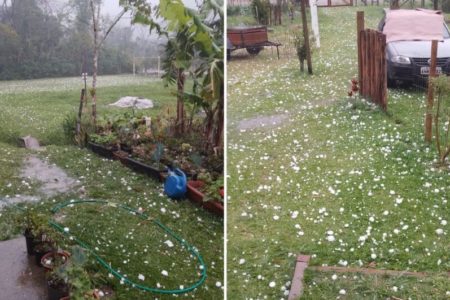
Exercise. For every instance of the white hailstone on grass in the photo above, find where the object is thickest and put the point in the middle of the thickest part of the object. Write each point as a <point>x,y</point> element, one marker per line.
<point>343,262</point>
<point>444,222</point>
<point>272,284</point>
<point>242,261</point>
<point>399,200</point>
<point>371,219</point>
<point>385,213</point>
<point>169,243</point>
<point>294,214</point>
<point>334,277</point>
<point>439,231</point>
<point>342,292</point>
<point>331,238</point>
<point>163,210</point>
<point>373,256</point>
<point>141,277</point>
<point>164,273</point>
<point>276,217</point>
<point>101,293</point>
<point>394,288</point>
<point>66,229</point>
<point>218,284</point>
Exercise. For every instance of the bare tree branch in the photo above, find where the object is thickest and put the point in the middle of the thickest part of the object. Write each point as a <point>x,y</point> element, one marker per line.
<point>116,20</point>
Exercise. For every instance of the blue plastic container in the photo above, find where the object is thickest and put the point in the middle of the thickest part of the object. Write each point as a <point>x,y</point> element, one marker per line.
<point>175,184</point>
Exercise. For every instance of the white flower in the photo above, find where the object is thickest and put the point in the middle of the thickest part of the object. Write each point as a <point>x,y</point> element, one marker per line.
<point>272,284</point>
<point>141,277</point>
<point>164,273</point>
<point>342,292</point>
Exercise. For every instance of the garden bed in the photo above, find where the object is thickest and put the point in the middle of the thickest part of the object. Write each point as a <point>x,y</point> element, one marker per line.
<point>194,187</point>
<point>195,194</point>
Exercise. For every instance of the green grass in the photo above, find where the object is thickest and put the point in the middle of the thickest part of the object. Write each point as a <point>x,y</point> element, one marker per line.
<point>40,111</point>
<point>339,180</point>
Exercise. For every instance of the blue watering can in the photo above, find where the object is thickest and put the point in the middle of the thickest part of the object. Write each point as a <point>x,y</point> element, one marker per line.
<point>175,184</point>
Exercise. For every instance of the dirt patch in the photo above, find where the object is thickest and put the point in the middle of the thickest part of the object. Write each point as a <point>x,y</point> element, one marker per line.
<point>263,122</point>
<point>53,179</point>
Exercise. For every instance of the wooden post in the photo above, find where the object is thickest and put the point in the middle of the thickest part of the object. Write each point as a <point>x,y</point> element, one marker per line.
<point>359,28</point>
<point>80,110</point>
<point>306,36</point>
<point>395,4</point>
<point>430,96</point>
<point>315,21</point>
<point>383,72</point>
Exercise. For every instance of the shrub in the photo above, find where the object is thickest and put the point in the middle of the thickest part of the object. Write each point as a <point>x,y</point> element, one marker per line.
<point>261,11</point>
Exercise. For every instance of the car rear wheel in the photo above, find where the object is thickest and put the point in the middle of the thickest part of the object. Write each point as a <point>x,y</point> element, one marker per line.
<point>254,50</point>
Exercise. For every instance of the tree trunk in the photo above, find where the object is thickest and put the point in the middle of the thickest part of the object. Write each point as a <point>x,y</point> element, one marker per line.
<point>218,140</point>
<point>180,102</point>
<point>306,36</point>
<point>95,24</point>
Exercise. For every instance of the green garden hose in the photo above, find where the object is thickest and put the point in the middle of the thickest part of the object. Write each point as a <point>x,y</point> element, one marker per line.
<point>143,216</point>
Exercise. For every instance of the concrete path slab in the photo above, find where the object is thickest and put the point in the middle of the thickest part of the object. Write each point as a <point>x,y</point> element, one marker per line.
<point>20,278</point>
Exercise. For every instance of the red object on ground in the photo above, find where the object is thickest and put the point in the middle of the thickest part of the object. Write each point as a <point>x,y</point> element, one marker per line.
<point>195,195</point>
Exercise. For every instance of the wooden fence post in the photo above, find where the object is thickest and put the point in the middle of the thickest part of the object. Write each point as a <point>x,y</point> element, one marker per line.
<point>359,28</point>
<point>430,95</point>
<point>306,36</point>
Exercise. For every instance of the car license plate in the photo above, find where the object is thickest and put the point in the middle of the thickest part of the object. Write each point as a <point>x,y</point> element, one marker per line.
<point>426,70</point>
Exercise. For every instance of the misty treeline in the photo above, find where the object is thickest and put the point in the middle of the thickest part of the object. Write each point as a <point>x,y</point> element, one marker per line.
<point>40,40</point>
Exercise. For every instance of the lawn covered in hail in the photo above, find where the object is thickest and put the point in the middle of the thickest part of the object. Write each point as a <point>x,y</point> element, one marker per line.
<point>138,249</point>
<point>335,178</point>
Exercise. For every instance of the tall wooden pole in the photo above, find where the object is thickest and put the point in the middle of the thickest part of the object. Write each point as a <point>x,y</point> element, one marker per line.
<point>430,96</point>
<point>306,36</point>
<point>314,21</point>
<point>359,28</point>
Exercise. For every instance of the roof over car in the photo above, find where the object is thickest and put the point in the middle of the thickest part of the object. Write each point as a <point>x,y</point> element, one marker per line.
<point>413,25</point>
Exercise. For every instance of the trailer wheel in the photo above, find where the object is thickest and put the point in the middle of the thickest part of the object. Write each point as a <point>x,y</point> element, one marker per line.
<point>254,50</point>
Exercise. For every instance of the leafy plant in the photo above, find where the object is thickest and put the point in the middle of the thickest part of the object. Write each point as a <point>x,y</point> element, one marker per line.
<point>73,274</point>
<point>261,11</point>
<point>107,139</point>
<point>212,191</point>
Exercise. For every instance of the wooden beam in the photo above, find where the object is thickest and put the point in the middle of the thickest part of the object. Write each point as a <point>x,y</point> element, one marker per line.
<point>430,95</point>
<point>359,28</point>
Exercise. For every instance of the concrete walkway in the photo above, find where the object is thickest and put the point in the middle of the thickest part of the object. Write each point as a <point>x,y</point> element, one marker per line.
<point>20,278</point>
